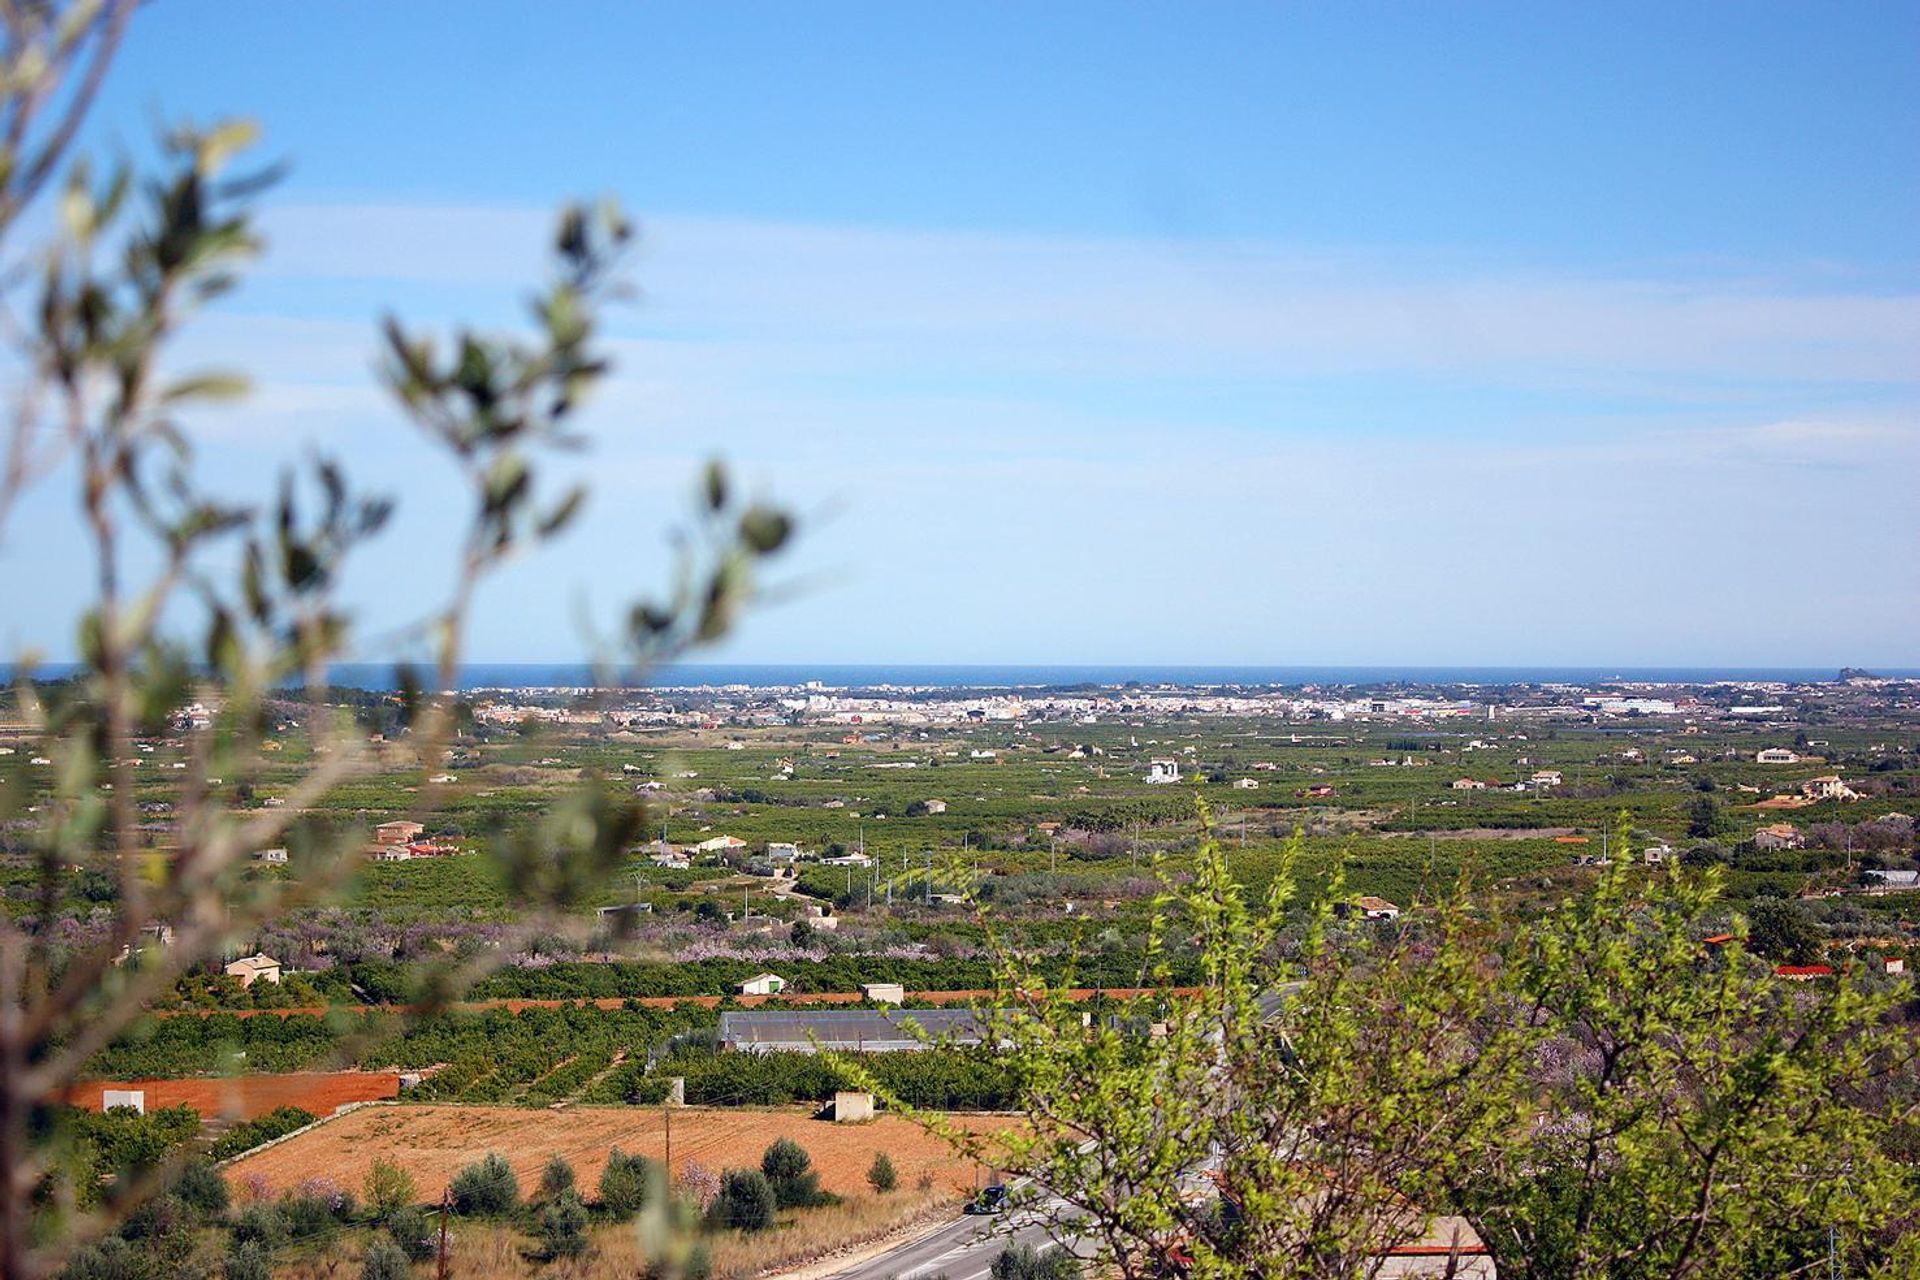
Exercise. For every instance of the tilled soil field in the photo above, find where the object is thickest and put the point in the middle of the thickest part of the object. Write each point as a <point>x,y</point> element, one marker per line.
<point>245,1097</point>
<point>434,1142</point>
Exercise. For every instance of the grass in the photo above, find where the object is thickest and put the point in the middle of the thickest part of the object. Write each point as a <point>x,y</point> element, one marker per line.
<point>494,1251</point>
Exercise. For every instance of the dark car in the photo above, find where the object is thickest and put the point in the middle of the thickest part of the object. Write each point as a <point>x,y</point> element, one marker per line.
<point>991,1199</point>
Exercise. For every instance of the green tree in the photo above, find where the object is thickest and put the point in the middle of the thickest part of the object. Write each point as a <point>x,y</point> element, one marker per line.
<point>389,1188</point>
<point>487,1188</point>
<point>1705,821</point>
<point>1781,929</point>
<point>563,1226</point>
<point>557,1179</point>
<point>1586,1092</point>
<point>881,1175</point>
<point>745,1202</point>
<point>1678,1092</point>
<point>627,1183</point>
<point>790,1172</point>
<point>411,1232</point>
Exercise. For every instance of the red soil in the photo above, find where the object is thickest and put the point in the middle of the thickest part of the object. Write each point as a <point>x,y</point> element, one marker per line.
<point>246,1097</point>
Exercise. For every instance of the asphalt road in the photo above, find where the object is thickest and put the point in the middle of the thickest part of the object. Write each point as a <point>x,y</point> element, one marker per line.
<point>962,1251</point>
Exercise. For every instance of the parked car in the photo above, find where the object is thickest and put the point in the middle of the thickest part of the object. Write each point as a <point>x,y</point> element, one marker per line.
<point>991,1199</point>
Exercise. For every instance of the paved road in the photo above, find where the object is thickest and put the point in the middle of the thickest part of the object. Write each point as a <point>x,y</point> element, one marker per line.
<point>962,1251</point>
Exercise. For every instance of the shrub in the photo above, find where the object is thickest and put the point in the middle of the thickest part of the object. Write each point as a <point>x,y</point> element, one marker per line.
<point>202,1189</point>
<point>156,1219</point>
<point>108,1259</point>
<point>247,1260</point>
<point>409,1229</point>
<point>626,1183</point>
<point>563,1225</point>
<point>261,1224</point>
<point>307,1216</point>
<point>323,1190</point>
<point>881,1175</point>
<point>389,1188</point>
<point>1024,1262</point>
<point>385,1261</point>
<point>556,1179</point>
<point>486,1188</point>
<point>249,1134</point>
<point>745,1201</point>
<point>789,1170</point>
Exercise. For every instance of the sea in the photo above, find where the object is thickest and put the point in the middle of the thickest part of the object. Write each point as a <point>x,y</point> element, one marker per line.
<point>521,675</point>
<point>565,675</point>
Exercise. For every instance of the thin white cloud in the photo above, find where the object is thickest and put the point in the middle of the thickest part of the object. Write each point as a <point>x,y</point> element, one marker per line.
<point>832,297</point>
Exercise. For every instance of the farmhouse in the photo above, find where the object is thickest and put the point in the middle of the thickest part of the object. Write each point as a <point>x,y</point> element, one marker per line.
<point>1370,908</point>
<point>763,984</point>
<point>721,844</point>
<point>1545,778</point>
<point>398,832</point>
<point>1245,784</point>
<point>883,992</point>
<point>846,1030</point>
<point>1778,835</point>
<point>935,806</point>
<point>1469,784</point>
<point>1163,771</point>
<point>1828,788</point>
<point>1776,755</point>
<point>253,968</point>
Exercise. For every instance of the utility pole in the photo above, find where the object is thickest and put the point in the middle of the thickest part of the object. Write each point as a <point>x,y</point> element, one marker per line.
<point>666,1114</point>
<point>440,1253</point>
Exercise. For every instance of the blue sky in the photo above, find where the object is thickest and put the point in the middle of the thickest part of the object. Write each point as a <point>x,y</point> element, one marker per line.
<point>1149,333</point>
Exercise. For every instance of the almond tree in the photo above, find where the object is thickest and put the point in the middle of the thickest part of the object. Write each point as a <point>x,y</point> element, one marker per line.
<point>213,597</point>
<point>1590,1095</point>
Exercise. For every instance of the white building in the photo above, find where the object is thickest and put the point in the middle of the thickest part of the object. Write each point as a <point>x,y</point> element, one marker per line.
<point>1161,771</point>
<point>1828,788</point>
<point>1776,755</point>
<point>763,984</point>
